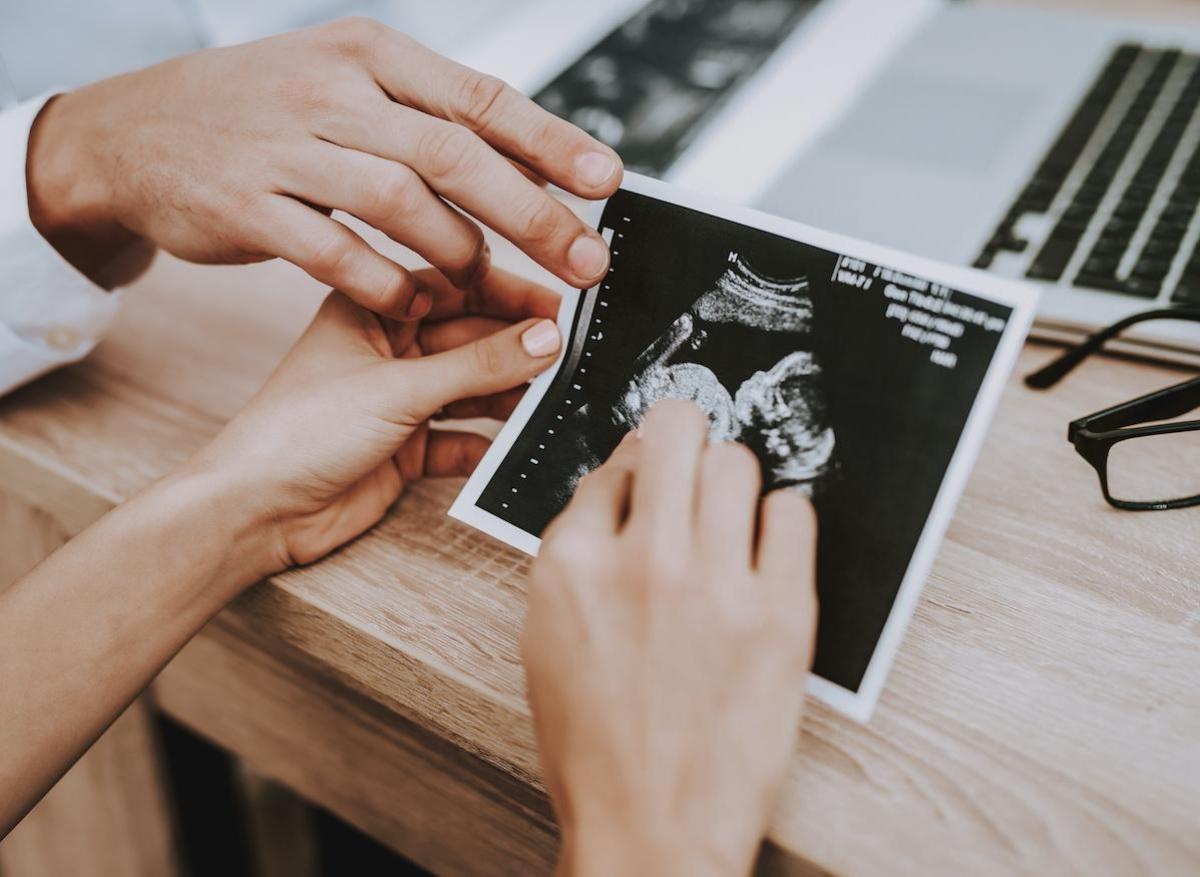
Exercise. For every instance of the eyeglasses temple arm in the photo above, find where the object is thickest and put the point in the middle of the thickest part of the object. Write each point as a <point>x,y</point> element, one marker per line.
<point>1163,404</point>
<point>1057,369</point>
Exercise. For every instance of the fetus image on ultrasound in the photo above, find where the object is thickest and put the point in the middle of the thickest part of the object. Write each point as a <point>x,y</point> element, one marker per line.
<point>741,353</point>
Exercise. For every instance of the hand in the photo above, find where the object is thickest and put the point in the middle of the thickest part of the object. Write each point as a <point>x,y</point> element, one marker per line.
<point>341,427</point>
<point>239,154</point>
<point>670,627</point>
<point>314,459</point>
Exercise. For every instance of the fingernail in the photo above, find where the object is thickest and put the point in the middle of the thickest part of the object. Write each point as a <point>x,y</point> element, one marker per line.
<point>588,257</point>
<point>594,168</point>
<point>540,339</point>
<point>420,306</point>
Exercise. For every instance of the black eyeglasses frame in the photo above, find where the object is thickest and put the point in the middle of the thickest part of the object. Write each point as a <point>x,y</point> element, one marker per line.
<point>1094,435</point>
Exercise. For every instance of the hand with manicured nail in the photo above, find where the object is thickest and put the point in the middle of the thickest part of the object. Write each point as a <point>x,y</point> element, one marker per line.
<point>315,459</point>
<point>342,425</point>
<point>241,154</point>
<point>669,632</point>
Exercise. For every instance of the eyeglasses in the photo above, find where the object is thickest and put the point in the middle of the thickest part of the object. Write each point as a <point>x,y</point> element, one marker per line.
<point>1143,463</point>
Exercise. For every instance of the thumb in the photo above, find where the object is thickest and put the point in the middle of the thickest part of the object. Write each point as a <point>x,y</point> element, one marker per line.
<point>489,365</point>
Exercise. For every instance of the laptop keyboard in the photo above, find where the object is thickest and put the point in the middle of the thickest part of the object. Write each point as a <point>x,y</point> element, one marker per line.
<point>1113,204</point>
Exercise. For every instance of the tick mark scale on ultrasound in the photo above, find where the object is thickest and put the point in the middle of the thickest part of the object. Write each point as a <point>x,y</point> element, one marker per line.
<point>568,407</point>
<point>592,338</point>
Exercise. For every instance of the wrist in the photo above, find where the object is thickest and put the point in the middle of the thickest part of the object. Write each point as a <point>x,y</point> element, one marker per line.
<point>635,847</point>
<point>222,515</point>
<point>70,194</point>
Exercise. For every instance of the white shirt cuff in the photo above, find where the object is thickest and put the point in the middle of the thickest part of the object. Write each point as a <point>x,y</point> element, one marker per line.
<point>50,313</point>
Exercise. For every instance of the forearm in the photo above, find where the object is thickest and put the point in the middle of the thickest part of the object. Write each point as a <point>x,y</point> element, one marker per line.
<point>595,856</point>
<point>598,846</point>
<point>89,628</point>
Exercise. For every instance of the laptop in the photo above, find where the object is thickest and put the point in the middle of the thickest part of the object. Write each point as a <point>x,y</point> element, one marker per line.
<point>675,86</point>
<point>1062,149</point>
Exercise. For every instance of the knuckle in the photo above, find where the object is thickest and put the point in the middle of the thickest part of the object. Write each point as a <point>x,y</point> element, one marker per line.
<point>396,196</point>
<point>748,617</point>
<point>733,458</point>
<point>478,99</point>
<point>301,93</point>
<point>541,221</point>
<point>487,358</point>
<point>449,151</point>
<point>666,571</point>
<point>598,478</point>
<point>679,415</point>
<point>544,140</point>
<point>332,257</point>
<point>565,548</point>
<point>354,32</point>
<point>589,481</point>
<point>396,292</point>
<point>247,213</point>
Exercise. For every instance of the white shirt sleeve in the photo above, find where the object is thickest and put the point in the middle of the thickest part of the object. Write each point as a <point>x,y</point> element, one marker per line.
<point>50,313</point>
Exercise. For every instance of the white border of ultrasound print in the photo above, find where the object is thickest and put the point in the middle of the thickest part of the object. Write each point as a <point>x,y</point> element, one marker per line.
<point>1021,297</point>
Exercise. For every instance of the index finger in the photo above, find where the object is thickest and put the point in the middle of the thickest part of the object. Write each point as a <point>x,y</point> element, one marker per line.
<point>498,293</point>
<point>674,434</point>
<point>601,500</point>
<point>512,123</point>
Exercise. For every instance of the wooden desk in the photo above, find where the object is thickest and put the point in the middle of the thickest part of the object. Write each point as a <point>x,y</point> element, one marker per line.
<point>1043,715</point>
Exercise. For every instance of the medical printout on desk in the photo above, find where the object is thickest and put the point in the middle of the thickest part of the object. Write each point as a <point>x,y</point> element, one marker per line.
<point>861,376</point>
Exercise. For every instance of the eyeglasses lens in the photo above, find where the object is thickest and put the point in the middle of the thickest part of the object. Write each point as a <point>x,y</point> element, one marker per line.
<point>1155,468</point>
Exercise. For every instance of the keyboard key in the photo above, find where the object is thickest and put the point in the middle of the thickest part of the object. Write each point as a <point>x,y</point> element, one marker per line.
<point>1100,266</point>
<point>1053,258</point>
<point>1111,245</point>
<point>1038,195</point>
<point>1142,287</point>
<point>1120,228</point>
<point>1187,291</point>
<point>1177,214</point>
<point>1160,249</point>
<point>1151,269</point>
<point>1130,209</point>
<point>1106,282</point>
<point>1186,193</point>
<point>1090,195</point>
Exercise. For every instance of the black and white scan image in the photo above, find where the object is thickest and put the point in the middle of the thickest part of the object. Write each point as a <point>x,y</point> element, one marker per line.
<point>767,396</point>
<point>852,382</point>
<point>648,87</point>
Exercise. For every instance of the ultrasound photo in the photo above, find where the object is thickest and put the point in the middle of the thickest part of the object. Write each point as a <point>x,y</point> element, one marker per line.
<point>647,88</point>
<point>852,381</point>
<point>742,352</point>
